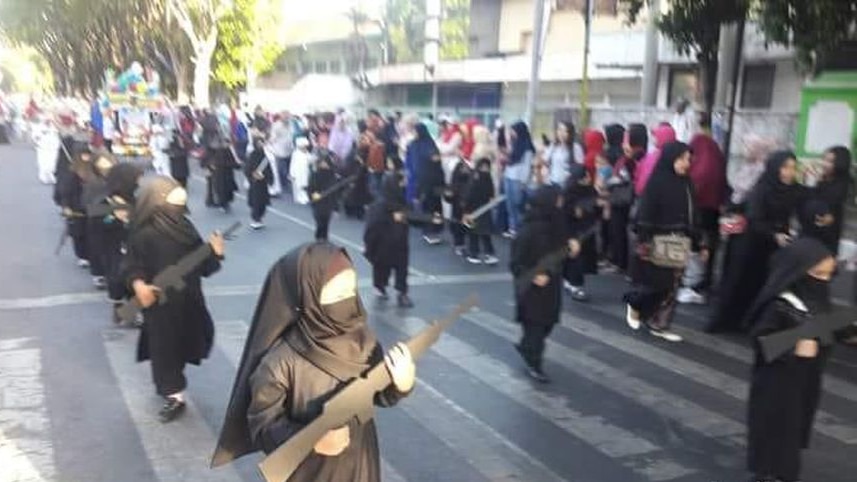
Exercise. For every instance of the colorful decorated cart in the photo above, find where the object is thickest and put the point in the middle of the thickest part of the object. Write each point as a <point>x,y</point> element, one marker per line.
<point>133,98</point>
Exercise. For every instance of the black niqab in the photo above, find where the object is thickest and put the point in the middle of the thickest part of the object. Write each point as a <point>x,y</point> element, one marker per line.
<point>153,208</point>
<point>122,181</point>
<point>289,308</point>
<point>788,270</point>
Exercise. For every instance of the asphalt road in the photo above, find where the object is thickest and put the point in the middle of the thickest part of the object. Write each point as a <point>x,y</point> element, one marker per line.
<point>623,406</point>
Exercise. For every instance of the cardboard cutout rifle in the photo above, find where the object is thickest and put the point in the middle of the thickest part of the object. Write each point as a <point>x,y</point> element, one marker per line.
<point>355,400</point>
<point>551,263</point>
<point>822,328</point>
<point>471,218</point>
<point>337,186</point>
<point>172,277</point>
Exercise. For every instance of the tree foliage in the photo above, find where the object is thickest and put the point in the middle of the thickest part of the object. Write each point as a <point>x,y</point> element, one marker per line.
<point>404,22</point>
<point>248,42</point>
<point>815,28</point>
<point>694,28</point>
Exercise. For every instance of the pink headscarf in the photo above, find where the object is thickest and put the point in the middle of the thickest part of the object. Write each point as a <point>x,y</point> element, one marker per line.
<point>663,134</point>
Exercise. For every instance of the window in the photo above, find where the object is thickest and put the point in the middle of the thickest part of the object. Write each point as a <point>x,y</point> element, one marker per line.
<point>305,67</point>
<point>602,7</point>
<point>320,67</point>
<point>526,41</point>
<point>335,67</point>
<point>758,86</point>
<point>683,84</point>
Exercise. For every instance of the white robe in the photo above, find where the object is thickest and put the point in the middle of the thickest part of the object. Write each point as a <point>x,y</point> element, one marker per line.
<point>158,144</point>
<point>299,174</point>
<point>47,141</point>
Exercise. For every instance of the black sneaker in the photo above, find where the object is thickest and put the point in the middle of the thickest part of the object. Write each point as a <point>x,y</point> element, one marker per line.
<point>171,410</point>
<point>404,301</point>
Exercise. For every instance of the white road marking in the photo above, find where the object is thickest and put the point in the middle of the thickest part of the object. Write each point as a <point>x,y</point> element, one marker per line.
<point>177,451</point>
<point>614,442</point>
<point>825,423</point>
<point>67,299</point>
<point>26,450</point>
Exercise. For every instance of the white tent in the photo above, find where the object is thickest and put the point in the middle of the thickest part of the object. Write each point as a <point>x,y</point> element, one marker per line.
<point>313,92</point>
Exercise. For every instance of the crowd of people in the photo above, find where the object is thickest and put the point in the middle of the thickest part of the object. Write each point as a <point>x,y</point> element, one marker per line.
<point>652,204</point>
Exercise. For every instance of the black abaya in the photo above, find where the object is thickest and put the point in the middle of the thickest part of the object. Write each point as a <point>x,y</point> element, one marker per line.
<point>258,196</point>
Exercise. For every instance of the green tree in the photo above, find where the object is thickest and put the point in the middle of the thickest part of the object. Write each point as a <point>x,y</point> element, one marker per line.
<point>249,41</point>
<point>815,28</point>
<point>694,28</point>
<point>455,29</point>
<point>404,22</point>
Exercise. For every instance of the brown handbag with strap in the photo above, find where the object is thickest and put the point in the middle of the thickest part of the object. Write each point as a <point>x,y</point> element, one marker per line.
<point>672,250</point>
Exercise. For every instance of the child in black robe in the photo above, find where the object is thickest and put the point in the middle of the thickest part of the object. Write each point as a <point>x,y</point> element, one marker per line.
<point>308,338</point>
<point>455,196</point>
<point>69,196</point>
<point>258,196</point>
<point>94,192</point>
<point>178,154</point>
<point>538,296</point>
<point>179,330</point>
<point>121,185</point>
<point>322,178</point>
<point>784,393</point>
<point>356,196</point>
<point>582,214</point>
<point>386,238</point>
<point>479,192</point>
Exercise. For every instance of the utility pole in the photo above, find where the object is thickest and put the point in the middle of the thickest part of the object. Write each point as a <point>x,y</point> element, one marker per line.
<point>584,83</point>
<point>536,60</point>
<point>649,93</point>
<point>431,51</point>
<point>736,72</point>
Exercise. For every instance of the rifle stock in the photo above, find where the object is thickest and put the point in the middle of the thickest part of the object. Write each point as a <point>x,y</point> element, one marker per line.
<point>822,329</point>
<point>356,400</point>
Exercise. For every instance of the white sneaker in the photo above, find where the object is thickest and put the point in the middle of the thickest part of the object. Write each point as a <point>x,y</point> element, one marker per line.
<point>257,225</point>
<point>689,296</point>
<point>490,259</point>
<point>459,250</point>
<point>510,234</point>
<point>474,260</point>
<point>666,335</point>
<point>632,318</point>
<point>82,263</point>
<point>431,240</point>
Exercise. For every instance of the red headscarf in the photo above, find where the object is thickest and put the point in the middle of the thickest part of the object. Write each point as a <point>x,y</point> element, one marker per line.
<point>593,143</point>
<point>467,140</point>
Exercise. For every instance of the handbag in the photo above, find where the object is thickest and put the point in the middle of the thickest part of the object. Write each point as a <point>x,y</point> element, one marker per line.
<point>732,224</point>
<point>672,250</point>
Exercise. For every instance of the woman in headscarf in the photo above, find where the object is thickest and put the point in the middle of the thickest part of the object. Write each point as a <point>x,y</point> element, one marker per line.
<point>425,166</point>
<point>614,135</point>
<point>593,143</point>
<point>222,165</point>
<point>309,338</point>
<point>357,195</point>
<point>321,179</point>
<point>823,214</point>
<point>456,194</point>
<point>621,195</point>
<point>563,153</point>
<point>517,174</point>
<point>386,239</point>
<point>178,154</point>
<point>341,139</point>
<point>480,191</point>
<point>666,208</point>
<point>771,205</point>
<point>121,186</point>
<point>485,148</point>
<point>177,329</point>
<point>538,304</point>
<point>581,216</point>
<point>69,196</point>
<point>663,134</point>
<point>785,392</point>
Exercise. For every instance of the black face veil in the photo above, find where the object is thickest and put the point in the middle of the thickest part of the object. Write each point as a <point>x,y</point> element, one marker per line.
<point>288,309</point>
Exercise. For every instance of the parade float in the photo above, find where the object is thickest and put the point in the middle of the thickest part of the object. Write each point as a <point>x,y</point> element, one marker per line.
<point>133,99</point>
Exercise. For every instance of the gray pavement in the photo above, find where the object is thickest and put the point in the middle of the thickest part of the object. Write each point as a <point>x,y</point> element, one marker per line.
<point>623,406</point>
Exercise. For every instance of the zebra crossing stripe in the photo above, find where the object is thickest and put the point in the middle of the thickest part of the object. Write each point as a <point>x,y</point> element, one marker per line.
<point>825,423</point>
<point>26,451</point>
<point>667,405</point>
<point>230,337</point>
<point>631,451</point>
<point>177,451</point>
<point>833,385</point>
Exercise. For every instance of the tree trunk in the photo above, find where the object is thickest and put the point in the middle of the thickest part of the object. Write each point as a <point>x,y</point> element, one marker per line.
<point>708,66</point>
<point>202,70</point>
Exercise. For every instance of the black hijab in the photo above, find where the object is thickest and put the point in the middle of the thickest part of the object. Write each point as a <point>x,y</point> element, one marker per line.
<point>168,219</point>
<point>522,143</point>
<point>615,135</point>
<point>289,309</point>
<point>666,201</point>
<point>770,189</point>
<point>788,272</point>
<point>834,191</point>
<point>392,191</point>
<point>122,181</point>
